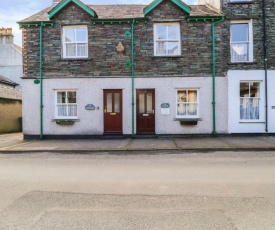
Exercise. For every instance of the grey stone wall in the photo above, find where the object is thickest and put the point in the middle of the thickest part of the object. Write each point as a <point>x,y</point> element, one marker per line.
<point>103,58</point>
<point>245,11</point>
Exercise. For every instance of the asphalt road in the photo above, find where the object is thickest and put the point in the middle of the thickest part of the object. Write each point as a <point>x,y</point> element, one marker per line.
<point>227,190</point>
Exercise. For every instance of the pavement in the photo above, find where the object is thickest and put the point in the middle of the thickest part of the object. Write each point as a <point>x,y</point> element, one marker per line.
<point>14,143</point>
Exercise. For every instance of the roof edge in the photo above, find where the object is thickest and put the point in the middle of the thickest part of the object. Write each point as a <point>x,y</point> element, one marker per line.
<point>155,3</point>
<point>64,3</point>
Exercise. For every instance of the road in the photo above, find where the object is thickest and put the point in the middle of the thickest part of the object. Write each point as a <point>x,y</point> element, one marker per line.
<point>219,190</point>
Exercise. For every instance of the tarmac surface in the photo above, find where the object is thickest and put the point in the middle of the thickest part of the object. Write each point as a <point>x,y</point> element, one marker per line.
<point>14,143</point>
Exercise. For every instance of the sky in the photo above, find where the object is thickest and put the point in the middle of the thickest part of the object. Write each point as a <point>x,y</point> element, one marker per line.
<point>12,11</point>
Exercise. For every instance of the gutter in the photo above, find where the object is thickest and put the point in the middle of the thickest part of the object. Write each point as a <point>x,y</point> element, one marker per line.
<point>40,24</point>
<point>133,77</point>
<point>265,63</point>
<point>215,20</point>
<point>41,80</point>
<point>214,75</point>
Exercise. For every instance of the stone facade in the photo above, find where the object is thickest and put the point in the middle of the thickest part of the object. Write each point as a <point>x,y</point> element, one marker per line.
<point>103,59</point>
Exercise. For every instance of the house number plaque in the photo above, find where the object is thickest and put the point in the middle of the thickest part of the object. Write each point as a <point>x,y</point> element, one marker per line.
<point>90,107</point>
<point>165,105</point>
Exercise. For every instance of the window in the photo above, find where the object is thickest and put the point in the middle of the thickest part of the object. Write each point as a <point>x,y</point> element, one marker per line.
<point>187,103</point>
<point>66,106</point>
<point>167,39</point>
<point>241,41</point>
<point>75,42</point>
<point>249,100</point>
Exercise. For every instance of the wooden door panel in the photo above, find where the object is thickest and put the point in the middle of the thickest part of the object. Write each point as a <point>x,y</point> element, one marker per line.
<point>145,111</point>
<point>112,111</point>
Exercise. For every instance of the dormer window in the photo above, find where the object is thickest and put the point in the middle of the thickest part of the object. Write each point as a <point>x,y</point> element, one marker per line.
<point>167,39</point>
<point>75,42</point>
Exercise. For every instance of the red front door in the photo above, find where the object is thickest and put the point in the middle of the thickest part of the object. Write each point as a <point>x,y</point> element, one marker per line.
<point>112,111</point>
<point>145,111</point>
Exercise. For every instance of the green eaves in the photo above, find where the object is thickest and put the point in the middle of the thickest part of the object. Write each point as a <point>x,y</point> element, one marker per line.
<point>61,5</point>
<point>155,3</point>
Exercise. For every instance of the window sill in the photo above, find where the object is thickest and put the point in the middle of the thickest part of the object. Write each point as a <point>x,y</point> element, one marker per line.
<point>188,121</point>
<point>253,122</point>
<point>243,63</point>
<point>75,59</point>
<point>65,121</point>
<point>240,2</point>
<point>168,56</point>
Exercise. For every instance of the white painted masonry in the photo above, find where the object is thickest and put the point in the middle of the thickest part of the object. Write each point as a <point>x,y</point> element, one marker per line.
<point>90,91</point>
<point>235,125</point>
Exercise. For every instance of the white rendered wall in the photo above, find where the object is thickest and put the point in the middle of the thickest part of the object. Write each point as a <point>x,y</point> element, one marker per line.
<point>235,124</point>
<point>271,101</point>
<point>90,91</point>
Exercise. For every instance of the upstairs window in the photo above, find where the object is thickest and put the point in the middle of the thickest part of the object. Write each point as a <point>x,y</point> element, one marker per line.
<point>66,106</point>
<point>167,39</point>
<point>241,41</point>
<point>249,100</point>
<point>187,103</point>
<point>75,42</point>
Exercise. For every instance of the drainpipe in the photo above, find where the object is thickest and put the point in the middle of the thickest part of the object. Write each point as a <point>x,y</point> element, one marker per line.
<point>214,75</point>
<point>265,63</point>
<point>133,78</point>
<point>41,81</point>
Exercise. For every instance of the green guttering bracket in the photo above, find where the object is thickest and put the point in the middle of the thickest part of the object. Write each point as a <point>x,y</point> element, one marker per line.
<point>120,20</point>
<point>214,75</point>
<point>155,3</point>
<point>61,5</point>
<point>36,24</point>
<point>133,77</point>
<point>203,18</point>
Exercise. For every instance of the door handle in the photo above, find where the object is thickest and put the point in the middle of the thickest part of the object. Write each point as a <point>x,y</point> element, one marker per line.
<point>105,110</point>
<point>112,114</point>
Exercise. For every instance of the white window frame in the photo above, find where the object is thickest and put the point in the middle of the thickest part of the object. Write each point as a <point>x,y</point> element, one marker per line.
<point>197,103</point>
<point>66,104</point>
<point>259,100</point>
<point>250,40</point>
<point>65,56</point>
<point>167,40</point>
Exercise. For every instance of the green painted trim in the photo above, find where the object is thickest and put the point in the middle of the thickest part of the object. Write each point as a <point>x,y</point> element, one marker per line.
<point>155,3</point>
<point>38,23</point>
<point>120,20</point>
<point>183,6</point>
<point>133,77</point>
<point>41,80</point>
<point>61,5</point>
<point>201,18</point>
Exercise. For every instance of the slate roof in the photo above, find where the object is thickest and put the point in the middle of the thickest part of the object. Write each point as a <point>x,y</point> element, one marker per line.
<point>7,81</point>
<point>122,11</point>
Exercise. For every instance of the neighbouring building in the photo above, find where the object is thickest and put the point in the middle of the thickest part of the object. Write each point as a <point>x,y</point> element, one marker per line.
<point>10,106</point>
<point>249,55</point>
<point>11,63</point>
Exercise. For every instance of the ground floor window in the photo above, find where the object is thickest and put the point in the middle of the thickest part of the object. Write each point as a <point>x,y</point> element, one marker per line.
<point>66,106</point>
<point>187,103</point>
<point>249,100</point>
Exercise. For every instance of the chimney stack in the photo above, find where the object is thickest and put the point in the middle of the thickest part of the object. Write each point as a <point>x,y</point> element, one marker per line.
<point>56,2</point>
<point>6,36</point>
